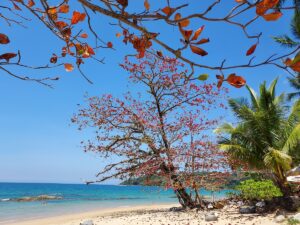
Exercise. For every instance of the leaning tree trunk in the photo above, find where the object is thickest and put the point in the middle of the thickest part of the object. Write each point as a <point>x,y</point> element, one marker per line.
<point>184,198</point>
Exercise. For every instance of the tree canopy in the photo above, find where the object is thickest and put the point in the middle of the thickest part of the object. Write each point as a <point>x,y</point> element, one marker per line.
<point>73,22</point>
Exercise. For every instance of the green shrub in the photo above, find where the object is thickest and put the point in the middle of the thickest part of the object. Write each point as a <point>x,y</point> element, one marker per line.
<point>292,221</point>
<point>258,190</point>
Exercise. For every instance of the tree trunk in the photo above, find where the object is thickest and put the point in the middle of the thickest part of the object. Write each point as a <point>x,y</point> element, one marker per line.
<point>284,186</point>
<point>184,198</point>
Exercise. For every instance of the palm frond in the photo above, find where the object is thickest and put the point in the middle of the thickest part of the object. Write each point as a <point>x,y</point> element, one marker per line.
<point>295,24</point>
<point>286,41</point>
<point>253,96</point>
<point>275,158</point>
<point>272,88</point>
<point>226,128</point>
<point>293,140</point>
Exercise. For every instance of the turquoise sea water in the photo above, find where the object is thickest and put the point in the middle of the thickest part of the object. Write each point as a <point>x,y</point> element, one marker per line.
<point>77,198</point>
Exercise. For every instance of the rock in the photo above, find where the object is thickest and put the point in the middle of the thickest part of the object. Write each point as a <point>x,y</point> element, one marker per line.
<point>176,209</point>
<point>87,222</point>
<point>210,206</point>
<point>211,217</point>
<point>240,203</point>
<point>247,209</point>
<point>37,198</point>
<point>297,216</point>
<point>279,219</point>
<point>290,203</point>
<point>260,207</point>
<point>280,212</point>
<point>219,205</point>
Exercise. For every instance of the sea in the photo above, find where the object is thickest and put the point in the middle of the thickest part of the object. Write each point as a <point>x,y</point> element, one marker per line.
<point>78,198</point>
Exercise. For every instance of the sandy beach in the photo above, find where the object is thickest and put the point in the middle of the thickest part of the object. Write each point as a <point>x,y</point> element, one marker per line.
<point>154,215</point>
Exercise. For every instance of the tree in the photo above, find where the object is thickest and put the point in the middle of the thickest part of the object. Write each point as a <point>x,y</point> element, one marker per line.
<point>267,135</point>
<point>73,23</point>
<point>162,131</point>
<point>289,42</point>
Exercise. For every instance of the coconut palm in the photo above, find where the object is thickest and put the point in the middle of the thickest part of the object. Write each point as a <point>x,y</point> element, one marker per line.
<point>292,42</point>
<point>295,83</point>
<point>267,134</point>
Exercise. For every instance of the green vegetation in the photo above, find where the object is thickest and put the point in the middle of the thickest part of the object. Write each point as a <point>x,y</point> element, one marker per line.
<point>145,181</point>
<point>267,135</point>
<point>258,190</point>
<point>292,221</point>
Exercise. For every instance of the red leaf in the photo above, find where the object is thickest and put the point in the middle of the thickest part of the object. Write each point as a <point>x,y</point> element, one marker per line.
<point>177,16</point>
<point>30,3</point>
<point>16,6</point>
<point>197,33</point>
<point>84,35</point>
<point>202,41</point>
<point>186,33</point>
<point>64,9</point>
<point>61,24</point>
<point>124,3</point>
<point>159,53</point>
<point>69,67</point>
<point>220,80</point>
<point>272,16</point>
<point>53,59</point>
<point>240,1</point>
<point>4,39</point>
<point>52,13</point>
<point>77,17</point>
<point>8,56</point>
<point>167,10</point>
<point>263,6</point>
<point>147,5</point>
<point>198,51</point>
<point>109,44</point>
<point>251,50</point>
<point>184,23</point>
<point>236,81</point>
<point>294,66</point>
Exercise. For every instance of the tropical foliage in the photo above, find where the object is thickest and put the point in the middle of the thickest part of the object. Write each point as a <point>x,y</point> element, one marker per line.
<point>258,190</point>
<point>267,134</point>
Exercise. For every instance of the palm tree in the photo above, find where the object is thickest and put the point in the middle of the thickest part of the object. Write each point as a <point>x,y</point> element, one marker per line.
<point>295,83</point>
<point>267,135</point>
<point>289,42</point>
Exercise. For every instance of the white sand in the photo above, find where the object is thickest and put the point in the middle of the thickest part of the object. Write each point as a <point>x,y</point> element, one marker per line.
<point>153,215</point>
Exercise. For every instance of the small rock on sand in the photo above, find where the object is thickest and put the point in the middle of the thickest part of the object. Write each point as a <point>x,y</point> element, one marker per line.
<point>211,217</point>
<point>279,219</point>
<point>87,222</point>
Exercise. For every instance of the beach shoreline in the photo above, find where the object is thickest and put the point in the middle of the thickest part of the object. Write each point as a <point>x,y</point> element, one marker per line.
<point>79,216</point>
<point>156,214</point>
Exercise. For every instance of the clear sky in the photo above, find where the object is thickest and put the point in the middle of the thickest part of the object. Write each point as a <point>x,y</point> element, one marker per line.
<point>38,142</point>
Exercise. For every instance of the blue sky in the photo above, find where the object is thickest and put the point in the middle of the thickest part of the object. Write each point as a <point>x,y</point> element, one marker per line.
<point>38,142</point>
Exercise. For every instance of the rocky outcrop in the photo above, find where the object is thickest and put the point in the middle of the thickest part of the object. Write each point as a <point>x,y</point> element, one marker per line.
<point>37,198</point>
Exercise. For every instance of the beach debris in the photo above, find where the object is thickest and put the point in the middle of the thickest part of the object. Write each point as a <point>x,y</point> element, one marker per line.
<point>247,209</point>
<point>294,171</point>
<point>176,209</point>
<point>219,205</point>
<point>279,219</point>
<point>87,222</point>
<point>211,217</point>
<point>210,206</point>
<point>260,207</point>
<point>293,179</point>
